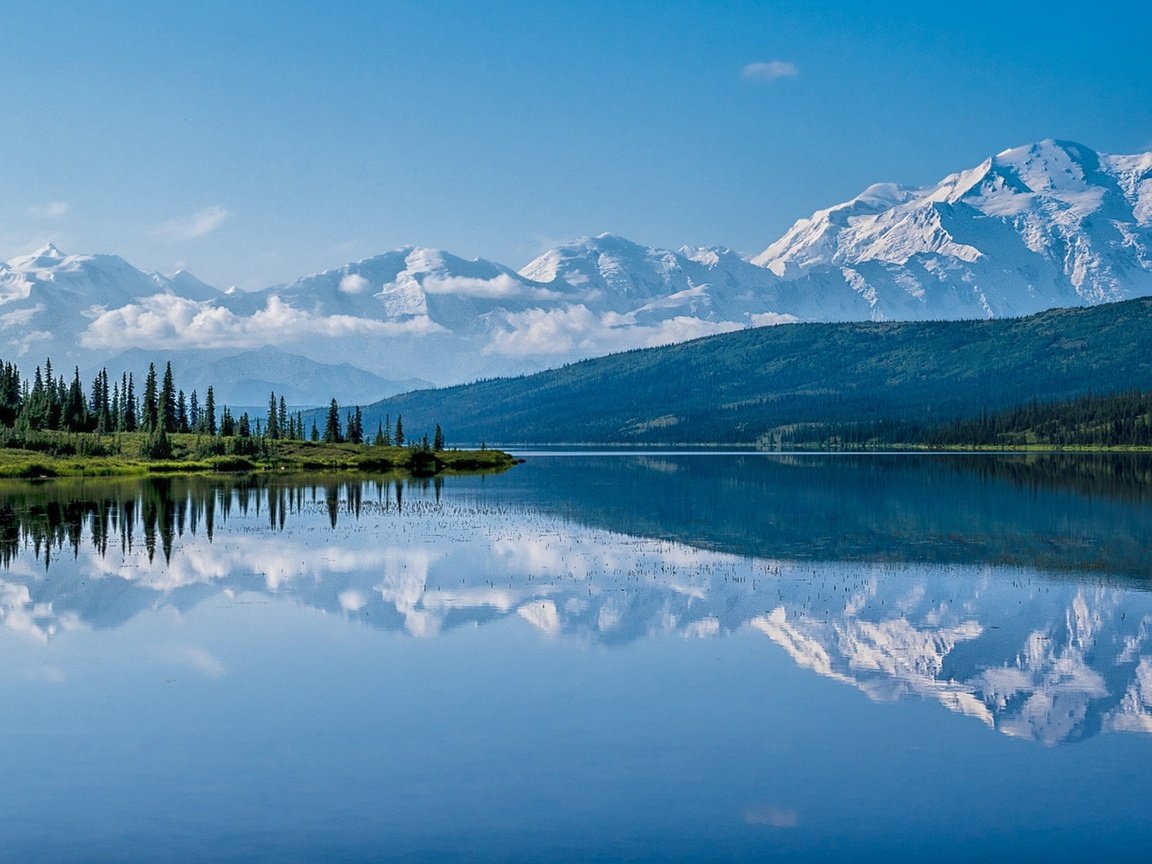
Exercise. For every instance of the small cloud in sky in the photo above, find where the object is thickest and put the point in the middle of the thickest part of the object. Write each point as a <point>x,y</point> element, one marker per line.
<point>775,817</point>
<point>195,226</point>
<point>51,210</point>
<point>770,70</point>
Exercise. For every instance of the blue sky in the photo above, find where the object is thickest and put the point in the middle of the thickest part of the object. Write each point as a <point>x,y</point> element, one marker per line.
<point>254,142</point>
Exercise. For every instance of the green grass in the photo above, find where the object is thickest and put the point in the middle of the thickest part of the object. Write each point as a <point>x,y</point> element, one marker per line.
<point>61,454</point>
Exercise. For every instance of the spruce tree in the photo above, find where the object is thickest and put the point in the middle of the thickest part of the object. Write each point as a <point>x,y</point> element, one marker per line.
<point>438,439</point>
<point>210,412</point>
<point>194,412</point>
<point>167,401</point>
<point>355,427</point>
<point>273,426</point>
<point>332,433</point>
<point>399,437</point>
<point>282,419</point>
<point>151,404</point>
<point>131,421</point>
<point>182,424</point>
<point>75,414</point>
<point>107,414</point>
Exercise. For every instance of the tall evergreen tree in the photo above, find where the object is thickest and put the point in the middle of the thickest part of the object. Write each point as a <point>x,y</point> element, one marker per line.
<point>438,439</point>
<point>332,433</point>
<point>181,413</point>
<point>167,401</point>
<point>210,412</point>
<point>354,428</point>
<point>59,394</point>
<point>399,437</point>
<point>107,415</point>
<point>75,415</point>
<point>151,405</point>
<point>282,419</point>
<point>131,419</point>
<point>194,412</point>
<point>273,426</point>
<point>11,397</point>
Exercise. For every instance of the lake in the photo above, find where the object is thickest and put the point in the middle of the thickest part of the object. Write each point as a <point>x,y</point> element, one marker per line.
<point>590,657</point>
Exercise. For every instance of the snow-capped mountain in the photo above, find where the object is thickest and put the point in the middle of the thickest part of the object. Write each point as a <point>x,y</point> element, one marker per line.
<point>1049,224</point>
<point>649,284</point>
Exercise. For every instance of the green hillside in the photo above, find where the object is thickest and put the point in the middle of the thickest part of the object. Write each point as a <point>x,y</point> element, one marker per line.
<point>787,383</point>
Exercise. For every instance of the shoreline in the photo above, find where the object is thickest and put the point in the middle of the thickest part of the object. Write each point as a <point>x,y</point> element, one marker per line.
<point>284,458</point>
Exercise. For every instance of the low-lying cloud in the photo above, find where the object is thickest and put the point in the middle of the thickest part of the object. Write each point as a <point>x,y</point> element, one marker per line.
<point>498,288</point>
<point>171,322</point>
<point>353,283</point>
<point>578,330</point>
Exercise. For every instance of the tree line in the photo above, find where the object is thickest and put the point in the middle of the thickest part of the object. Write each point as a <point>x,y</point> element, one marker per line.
<point>108,405</point>
<point>1098,420</point>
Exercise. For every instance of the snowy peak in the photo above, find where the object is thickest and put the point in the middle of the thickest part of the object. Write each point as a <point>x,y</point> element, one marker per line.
<point>620,274</point>
<point>1047,224</point>
<point>411,282</point>
<point>48,253</point>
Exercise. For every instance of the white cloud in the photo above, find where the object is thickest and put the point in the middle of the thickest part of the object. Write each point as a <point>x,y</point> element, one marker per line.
<point>491,289</point>
<point>171,322</point>
<point>21,317</point>
<point>775,817</point>
<point>198,225</point>
<point>353,283</point>
<point>576,329</point>
<point>51,210</point>
<point>770,70</point>
<point>769,319</point>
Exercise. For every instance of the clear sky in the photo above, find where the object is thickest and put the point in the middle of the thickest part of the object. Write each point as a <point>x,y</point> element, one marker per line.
<point>254,142</point>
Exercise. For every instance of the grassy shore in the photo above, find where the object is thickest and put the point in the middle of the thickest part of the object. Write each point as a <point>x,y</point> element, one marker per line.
<point>60,454</point>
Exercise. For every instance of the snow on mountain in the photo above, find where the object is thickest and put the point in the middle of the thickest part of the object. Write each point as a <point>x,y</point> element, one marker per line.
<point>48,298</point>
<point>1048,224</point>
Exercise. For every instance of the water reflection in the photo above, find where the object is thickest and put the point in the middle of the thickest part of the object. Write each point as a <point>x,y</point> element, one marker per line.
<point>878,596</point>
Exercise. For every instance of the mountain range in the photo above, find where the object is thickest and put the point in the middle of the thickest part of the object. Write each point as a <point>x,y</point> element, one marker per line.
<point>1045,225</point>
<point>797,385</point>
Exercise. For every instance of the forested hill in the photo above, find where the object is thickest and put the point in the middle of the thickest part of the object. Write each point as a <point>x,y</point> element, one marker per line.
<point>737,387</point>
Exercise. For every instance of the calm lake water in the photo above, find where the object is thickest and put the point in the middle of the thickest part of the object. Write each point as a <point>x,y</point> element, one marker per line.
<point>587,658</point>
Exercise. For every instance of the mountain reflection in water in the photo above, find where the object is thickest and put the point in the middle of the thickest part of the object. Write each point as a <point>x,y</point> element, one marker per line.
<point>1012,590</point>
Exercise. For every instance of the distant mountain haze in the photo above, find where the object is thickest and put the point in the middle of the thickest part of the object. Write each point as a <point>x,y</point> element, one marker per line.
<point>1051,224</point>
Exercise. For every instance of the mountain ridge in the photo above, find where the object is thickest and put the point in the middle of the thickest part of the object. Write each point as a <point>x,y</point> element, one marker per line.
<point>758,385</point>
<point>1047,225</point>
